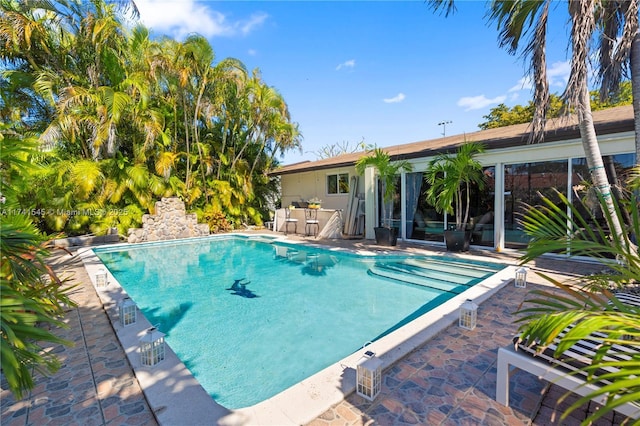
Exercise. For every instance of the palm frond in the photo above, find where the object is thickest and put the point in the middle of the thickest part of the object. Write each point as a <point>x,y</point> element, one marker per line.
<point>547,226</point>
<point>586,308</point>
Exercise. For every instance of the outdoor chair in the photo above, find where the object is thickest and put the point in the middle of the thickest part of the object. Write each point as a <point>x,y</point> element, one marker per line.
<point>311,222</point>
<point>564,371</point>
<point>289,220</point>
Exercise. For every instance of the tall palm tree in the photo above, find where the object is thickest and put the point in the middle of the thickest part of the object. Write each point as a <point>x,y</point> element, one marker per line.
<point>269,120</point>
<point>518,19</point>
<point>230,94</point>
<point>198,57</point>
<point>619,51</point>
<point>75,54</point>
<point>182,72</point>
<point>521,18</point>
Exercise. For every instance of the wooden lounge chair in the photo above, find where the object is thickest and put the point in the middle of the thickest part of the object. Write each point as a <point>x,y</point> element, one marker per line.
<point>564,371</point>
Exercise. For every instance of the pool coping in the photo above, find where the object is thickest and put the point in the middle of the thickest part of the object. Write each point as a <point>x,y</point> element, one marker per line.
<point>173,392</point>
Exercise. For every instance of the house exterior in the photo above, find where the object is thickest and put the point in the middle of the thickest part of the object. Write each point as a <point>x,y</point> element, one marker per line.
<point>516,172</point>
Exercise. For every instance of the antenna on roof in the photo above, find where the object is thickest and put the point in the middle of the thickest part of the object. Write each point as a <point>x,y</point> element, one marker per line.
<point>444,126</point>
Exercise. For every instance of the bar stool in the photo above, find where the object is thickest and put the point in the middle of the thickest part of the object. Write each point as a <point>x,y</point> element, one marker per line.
<point>288,219</point>
<point>311,221</point>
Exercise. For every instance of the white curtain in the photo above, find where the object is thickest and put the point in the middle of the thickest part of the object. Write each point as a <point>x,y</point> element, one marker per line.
<point>414,185</point>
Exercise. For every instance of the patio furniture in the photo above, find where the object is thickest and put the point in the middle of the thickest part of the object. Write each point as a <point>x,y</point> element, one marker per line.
<point>280,216</point>
<point>288,220</point>
<point>311,222</point>
<point>564,371</point>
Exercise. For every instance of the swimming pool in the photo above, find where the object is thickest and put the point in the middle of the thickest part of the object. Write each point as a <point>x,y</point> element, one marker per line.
<point>250,318</point>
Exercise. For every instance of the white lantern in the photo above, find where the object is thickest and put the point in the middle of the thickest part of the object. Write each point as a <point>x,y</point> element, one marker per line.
<point>101,278</point>
<point>521,277</point>
<point>369,376</point>
<point>127,311</point>
<point>152,347</point>
<point>468,315</point>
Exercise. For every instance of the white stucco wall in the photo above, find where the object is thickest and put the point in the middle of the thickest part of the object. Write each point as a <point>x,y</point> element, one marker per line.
<point>304,186</point>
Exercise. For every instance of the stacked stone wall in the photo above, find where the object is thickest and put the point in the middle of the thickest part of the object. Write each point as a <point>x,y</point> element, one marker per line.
<point>169,222</point>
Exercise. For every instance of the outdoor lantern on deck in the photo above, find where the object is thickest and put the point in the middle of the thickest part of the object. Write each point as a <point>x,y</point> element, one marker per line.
<point>101,278</point>
<point>152,347</point>
<point>468,315</point>
<point>521,277</point>
<point>369,376</point>
<point>127,311</point>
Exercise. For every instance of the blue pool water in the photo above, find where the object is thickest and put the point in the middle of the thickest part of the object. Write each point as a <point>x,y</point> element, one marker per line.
<point>251,318</point>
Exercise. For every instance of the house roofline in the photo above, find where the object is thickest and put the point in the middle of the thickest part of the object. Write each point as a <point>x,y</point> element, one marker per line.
<point>608,121</point>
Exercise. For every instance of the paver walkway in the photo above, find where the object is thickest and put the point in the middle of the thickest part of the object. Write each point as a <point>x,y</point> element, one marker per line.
<point>449,380</point>
<point>96,385</point>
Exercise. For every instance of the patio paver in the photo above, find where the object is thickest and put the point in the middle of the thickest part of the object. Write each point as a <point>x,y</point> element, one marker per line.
<point>95,385</point>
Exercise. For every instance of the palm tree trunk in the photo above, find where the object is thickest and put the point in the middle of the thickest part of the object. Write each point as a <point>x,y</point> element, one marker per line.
<point>635,89</point>
<point>223,149</point>
<point>188,147</point>
<point>458,209</point>
<point>594,158</point>
<point>247,141</point>
<point>466,209</point>
<point>196,137</point>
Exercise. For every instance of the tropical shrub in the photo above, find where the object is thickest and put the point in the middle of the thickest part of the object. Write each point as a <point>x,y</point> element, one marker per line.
<point>33,297</point>
<point>387,171</point>
<point>450,177</point>
<point>216,220</point>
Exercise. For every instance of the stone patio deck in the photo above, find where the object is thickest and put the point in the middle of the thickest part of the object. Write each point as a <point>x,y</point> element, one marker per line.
<point>449,380</point>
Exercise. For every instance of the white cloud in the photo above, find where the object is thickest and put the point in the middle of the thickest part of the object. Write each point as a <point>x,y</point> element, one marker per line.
<point>255,21</point>
<point>398,98</point>
<point>179,19</point>
<point>558,73</point>
<point>252,52</point>
<point>351,63</point>
<point>525,83</point>
<point>478,102</point>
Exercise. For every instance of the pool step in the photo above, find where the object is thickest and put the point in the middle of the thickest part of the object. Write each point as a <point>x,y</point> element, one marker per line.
<point>451,273</point>
<point>449,277</point>
<point>385,271</point>
<point>261,239</point>
<point>451,266</point>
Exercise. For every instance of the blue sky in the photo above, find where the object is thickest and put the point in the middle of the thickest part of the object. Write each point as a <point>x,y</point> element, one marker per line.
<point>384,71</point>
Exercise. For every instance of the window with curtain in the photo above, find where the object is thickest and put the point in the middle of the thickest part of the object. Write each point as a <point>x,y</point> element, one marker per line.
<point>423,222</point>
